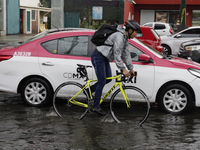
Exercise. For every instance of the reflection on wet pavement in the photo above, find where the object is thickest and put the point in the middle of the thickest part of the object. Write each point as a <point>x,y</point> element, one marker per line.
<point>23,127</point>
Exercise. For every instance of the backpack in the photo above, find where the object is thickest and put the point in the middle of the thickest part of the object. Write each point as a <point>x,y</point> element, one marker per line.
<point>103,33</point>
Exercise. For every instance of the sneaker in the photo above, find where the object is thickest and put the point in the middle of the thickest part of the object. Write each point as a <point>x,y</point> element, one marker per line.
<point>98,110</point>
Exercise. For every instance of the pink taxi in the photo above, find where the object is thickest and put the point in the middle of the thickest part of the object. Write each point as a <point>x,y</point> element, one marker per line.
<point>39,65</point>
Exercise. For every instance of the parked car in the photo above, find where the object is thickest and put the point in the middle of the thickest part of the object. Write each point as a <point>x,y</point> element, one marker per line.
<point>190,50</point>
<point>36,68</point>
<point>161,28</point>
<point>150,37</point>
<point>172,43</point>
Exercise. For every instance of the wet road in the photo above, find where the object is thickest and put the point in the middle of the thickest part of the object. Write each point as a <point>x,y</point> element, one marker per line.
<point>23,127</point>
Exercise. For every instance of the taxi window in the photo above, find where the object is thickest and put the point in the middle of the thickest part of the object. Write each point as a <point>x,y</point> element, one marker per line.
<point>135,52</point>
<point>75,45</point>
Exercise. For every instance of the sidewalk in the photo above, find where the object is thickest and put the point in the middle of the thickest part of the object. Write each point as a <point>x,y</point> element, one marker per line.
<point>5,39</point>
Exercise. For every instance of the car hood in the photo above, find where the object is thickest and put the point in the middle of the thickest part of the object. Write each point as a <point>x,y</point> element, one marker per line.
<point>185,63</point>
<point>192,42</point>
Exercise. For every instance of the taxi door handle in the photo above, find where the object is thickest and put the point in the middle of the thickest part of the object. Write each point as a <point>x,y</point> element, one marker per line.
<point>47,64</point>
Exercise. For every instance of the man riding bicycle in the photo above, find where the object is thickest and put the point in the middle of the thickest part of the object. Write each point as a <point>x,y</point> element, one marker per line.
<point>118,52</point>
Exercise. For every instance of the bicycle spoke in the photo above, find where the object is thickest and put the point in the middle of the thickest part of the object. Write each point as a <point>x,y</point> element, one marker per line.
<point>77,104</point>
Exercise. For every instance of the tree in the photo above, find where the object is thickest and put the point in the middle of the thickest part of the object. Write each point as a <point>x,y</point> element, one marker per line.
<point>46,3</point>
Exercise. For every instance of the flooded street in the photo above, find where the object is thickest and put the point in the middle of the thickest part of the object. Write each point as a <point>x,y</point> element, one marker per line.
<point>23,127</point>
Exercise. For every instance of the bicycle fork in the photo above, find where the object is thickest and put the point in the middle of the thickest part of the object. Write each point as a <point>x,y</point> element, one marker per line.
<point>128,104</point>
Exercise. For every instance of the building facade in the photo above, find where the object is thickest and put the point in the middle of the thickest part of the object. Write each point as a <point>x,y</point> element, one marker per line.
<point>80,13</point>
<point>32,16</point>
<point>86,13</point>
<point>2,17</point>
<point>166,11</point>
<point>22,16</point>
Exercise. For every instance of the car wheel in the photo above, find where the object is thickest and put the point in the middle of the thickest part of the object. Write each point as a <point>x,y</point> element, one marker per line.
<point>166,50</point>
<point>175,99</point>
<point>36,92</point>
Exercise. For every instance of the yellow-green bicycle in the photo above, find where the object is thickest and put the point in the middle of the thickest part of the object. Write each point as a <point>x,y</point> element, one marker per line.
<point>126,103</point>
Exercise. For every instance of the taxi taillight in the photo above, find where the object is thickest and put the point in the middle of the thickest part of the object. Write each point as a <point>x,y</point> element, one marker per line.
<point>5,57</point>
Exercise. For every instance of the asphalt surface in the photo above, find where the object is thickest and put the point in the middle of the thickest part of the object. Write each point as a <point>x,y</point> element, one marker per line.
<point>31,128</point>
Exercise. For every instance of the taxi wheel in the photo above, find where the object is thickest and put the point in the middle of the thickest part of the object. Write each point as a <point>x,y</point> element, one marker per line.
<point>36,92</point>
<point>175,99</point>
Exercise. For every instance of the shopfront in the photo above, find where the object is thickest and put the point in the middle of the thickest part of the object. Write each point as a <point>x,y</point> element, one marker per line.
<point>165,16</point>
<point>166,11</point>
<point>196,18</point>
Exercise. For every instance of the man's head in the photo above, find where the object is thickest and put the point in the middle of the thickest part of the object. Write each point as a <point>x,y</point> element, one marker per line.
<point>131,28</point>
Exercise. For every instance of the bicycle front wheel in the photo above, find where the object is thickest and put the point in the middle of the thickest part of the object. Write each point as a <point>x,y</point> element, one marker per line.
<point>139,105</point>
<point>69,100</point>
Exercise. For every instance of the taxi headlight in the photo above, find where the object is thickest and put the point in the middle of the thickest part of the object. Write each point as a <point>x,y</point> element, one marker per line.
<point>192,48</point>
<point>194,72</point>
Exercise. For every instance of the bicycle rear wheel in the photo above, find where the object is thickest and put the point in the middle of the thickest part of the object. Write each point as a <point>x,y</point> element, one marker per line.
<point>139,105</point>
<point>63,107</point>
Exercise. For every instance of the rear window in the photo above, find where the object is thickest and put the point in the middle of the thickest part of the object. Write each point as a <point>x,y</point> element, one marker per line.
<point>171,27</point>
<point>77,46</point>
<point>159,26</point>
<point>154,33</point>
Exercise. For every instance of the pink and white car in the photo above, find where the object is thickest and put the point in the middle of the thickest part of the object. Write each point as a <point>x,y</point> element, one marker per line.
<point>39,65</point>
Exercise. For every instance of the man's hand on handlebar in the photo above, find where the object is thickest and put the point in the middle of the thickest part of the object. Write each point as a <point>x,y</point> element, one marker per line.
<point>133,72</point>
<point>127,73</point>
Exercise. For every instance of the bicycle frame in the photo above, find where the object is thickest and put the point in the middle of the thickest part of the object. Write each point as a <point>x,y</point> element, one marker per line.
<point>117,83</point>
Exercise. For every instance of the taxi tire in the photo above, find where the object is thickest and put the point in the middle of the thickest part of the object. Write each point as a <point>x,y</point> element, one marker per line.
<point>35,86</point>
<point>175,95</point>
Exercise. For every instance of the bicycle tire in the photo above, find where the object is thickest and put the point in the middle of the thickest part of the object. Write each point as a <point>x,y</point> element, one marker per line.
<point>61,103</point>
<point>139,109</point>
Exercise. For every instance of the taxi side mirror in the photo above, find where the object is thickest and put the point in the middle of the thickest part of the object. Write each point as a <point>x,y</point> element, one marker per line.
<point>145,58</point>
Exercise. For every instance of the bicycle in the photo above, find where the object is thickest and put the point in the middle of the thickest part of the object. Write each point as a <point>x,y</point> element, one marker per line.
<point>126,103</point>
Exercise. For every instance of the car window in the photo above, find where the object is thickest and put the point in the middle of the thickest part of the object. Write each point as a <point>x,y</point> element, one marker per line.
<point>37,36</point>
<point>149,25</point>
<point>75,45</point>
<point>135,52</point>
<point>50,46</point>
<point>191,33</point>
<point>159,26</point>
<point>155,33</point>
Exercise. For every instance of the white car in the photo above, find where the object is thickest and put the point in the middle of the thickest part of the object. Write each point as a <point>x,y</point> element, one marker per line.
<point>39,65</point>
<point>161,28</point>
<point>172,43</point>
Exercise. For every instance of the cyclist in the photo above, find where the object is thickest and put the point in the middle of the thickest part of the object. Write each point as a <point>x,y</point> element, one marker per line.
<point>118,52</point>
